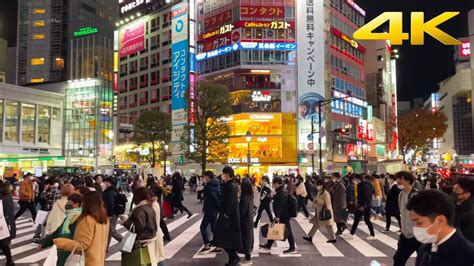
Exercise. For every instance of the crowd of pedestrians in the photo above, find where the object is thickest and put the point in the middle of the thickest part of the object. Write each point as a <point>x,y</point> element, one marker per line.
<point>83,213</point>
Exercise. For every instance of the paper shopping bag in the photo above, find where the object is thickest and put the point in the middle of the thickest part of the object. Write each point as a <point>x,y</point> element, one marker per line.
<point>276,232</point>
<point>128,241</point>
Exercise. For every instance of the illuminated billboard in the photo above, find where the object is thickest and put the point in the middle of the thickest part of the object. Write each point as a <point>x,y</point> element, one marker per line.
<point>132,38</point>
<point>133,6</point>
<point>283,46</point>
<point>465,49</point>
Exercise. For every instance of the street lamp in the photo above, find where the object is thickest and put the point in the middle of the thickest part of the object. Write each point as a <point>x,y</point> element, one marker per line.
<point>248,137</point>
<point>165,151</point>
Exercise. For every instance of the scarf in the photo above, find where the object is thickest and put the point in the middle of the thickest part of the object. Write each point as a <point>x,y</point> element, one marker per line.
<point>71,216</point>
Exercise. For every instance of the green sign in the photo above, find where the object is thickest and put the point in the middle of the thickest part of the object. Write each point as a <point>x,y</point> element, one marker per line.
<point>48,158</point>
<point>85,31</point>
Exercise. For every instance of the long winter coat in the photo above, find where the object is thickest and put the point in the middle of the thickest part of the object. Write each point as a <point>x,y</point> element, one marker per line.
<point>321,199</point>
<point>391,206</point>
<point>8,213</point>
<point>339,201</point>
<point>246,223</point>
<point>227,231</point>
<point>464,218</point>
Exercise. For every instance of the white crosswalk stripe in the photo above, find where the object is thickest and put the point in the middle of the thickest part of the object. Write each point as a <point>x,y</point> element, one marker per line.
<point>186,237</point>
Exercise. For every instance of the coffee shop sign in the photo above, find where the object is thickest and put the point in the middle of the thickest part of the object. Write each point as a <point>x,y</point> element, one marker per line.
<point>242,160</point>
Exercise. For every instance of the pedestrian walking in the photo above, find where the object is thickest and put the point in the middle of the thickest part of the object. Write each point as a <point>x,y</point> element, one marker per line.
<point>391,205</point>
<point>322,202</point>
<point>407,243</point>
<point>7,223</point>
<point>282,215</point>
<point>246,221</point>
<point>158,191</point>
<point>111,196</point>
<point>177,190</point>
<point>227,233</point>
<point>26,198</point>
<point>365,191</point>
<point>58,211</point>
<point>464,215</point>
<point>265,200</point>
<point>92,231</point>
<point>156,248</point>
<point>66,229</point>
<point>339,202</point>
<point>301,195</point>
<point>211,195</point>
<point>434,227</point>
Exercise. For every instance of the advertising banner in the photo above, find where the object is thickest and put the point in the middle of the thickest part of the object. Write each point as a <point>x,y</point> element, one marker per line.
<point>217,20</point>
<point>179,68</point>
<point>262,11</point>
<point>132,38</point>
<point>311,89</point>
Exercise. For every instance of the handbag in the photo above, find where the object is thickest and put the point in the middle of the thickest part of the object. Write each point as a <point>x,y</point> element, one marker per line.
<point>52,257</point>
<point>76,259</point>
<point>325,214</point>
<point>128,241</point>
<point>276,231</point>
<point>139,256</point>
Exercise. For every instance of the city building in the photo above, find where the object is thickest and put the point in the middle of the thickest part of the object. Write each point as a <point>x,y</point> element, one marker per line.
<point>3,60</point>
<point>31,129</point>
<point>381,85</point>
<point>250,46</point>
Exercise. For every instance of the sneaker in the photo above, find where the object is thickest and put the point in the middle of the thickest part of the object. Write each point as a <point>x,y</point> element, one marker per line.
<point>265,249</point>
<point>36,240</point>
<point>206,249</point>
<point>370,238</point>
<point>290,251</point>
<point>385,231</point>
<point>190,215</point>
<point>216,249</point>
<point>246,262</point>
<point>331,241</point>
<point>308,238</point>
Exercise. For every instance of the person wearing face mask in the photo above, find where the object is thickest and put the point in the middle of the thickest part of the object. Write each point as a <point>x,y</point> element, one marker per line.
<point>66,229</point>
<point>407,243</point>
<point>58,212</point>
<point>464,218</point>
<point>391,205</point>
<point>434,227</point>
<point>339,202</point>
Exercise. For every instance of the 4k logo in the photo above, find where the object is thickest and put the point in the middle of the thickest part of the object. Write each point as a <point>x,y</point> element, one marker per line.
<point>418,29</point>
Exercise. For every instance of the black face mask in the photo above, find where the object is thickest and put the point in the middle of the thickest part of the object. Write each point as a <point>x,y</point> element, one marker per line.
<point>69,206</point>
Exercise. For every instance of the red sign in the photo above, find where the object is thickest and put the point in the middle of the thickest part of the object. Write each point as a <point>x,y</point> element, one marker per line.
<point>192,107</point>
<point>276,24</point>
<point>262,12</point>
<point>218,20</point>
<point>465,48</point>
<point>346,38</point>
<point>362,130</point>
<point>370,131</point>
<point>115,82</point>
<point>132,38</point>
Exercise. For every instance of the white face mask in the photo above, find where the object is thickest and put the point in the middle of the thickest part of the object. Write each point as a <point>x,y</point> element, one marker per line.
<point>421,234</point>
<point>400,187</point>
<point>319,188</point>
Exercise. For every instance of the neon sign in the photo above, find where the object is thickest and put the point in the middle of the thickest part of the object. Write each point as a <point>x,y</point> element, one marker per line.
<point>261,96</point>
<point>346,38</point>
<point>242,160</point>
<point>85,31</point>
<point>356,7</point>
<point>465,48</point>
<point>247,46</point>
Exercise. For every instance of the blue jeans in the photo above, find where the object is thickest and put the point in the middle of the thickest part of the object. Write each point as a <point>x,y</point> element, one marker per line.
<point>209,218</point>
<point>161,263</point>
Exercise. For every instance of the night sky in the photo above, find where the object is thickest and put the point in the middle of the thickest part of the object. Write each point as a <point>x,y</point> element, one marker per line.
<point>420,68</point>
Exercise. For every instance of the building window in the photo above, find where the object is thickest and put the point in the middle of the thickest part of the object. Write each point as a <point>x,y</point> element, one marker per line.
<point>28,115</point>
<point>37,61</point>
<point>11,121</point>
<point>44,115</point>
<point>379,58</point>
<point>39,23</point>
<point>37,80</point>
<point>38,36</point>
<point>39,11</point>
<point>59,63</point>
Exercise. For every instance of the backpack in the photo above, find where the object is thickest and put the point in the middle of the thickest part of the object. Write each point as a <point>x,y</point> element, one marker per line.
<point>292,206</point>
<point>120,203</point>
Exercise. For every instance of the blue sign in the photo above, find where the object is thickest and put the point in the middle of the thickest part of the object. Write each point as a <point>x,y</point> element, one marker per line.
<point>179,74</point>
<point>281,46</point>
<point>350,108</point>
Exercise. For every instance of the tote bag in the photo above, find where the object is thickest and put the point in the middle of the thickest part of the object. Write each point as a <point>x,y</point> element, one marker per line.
<point>5,232</point>
<point>276,231</point>
<point>76,259</point>
<point>128,241</point>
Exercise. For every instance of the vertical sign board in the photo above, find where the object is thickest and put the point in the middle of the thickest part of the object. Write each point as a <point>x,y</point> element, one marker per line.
<point>310,58</point>
<point>179,69</point>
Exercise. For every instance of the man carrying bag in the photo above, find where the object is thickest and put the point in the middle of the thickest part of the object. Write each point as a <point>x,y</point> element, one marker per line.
<point>281,208</point>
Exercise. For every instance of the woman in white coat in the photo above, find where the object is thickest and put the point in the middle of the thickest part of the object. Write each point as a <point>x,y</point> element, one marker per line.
<point>156,248</point>
<point>322,199</point>
<point>58,212</point>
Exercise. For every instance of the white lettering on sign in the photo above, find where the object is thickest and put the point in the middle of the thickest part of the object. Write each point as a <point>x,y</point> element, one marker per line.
<point>226,28</point>
<point>261,117</point>
<point>141,151</point>
<point>132,5</point>
<point>242,160</point>
<point>262,139</point>
<point>261,96</point>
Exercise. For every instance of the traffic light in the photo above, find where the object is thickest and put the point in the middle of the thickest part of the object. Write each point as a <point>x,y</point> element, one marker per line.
<point>300,158</point>
<point>181,159</point>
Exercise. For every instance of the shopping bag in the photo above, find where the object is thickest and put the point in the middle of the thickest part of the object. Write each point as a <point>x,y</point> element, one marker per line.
<point>76,259</point>
<point>128,241</point>
<point>52,257</point>
<point>41,217</point>
<point>276,231</point>
<point>139,256</point>
<point>4,231</point>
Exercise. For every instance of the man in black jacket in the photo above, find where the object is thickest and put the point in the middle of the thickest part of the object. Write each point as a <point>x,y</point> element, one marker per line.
<point>211,194</point>
<point>365,190</point>
<point>391,205</point>
<point>433,226</point>
<point>464,218</point>
<point>109,196</point>
<point>282,215</point>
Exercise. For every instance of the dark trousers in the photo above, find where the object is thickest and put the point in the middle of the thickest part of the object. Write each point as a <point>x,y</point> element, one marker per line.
<point>164,228</point>
<point>302,205</point>
<point>179,205</point>
<point>366,214</point>
<point>291,239</point>
<point>389,221</point>
<point>264,206</point>
<point>5,247</point>
<point>209,219</point>
<point>341,226</point>
<point>405,247</point>
<point>24,205</point>
<point>233,257</point>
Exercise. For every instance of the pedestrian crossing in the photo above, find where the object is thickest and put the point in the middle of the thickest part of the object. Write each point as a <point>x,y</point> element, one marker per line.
<point>187,241</point>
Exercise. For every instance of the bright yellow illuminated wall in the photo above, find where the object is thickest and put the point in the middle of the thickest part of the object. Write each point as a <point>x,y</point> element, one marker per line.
<point>257,123</point>
<point>38,36</point>
<point>37,61</point>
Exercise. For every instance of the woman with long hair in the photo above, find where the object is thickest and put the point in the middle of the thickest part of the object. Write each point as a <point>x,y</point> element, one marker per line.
<point>246,220</point>
<point>7,225</point>
<point>92,231</point>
